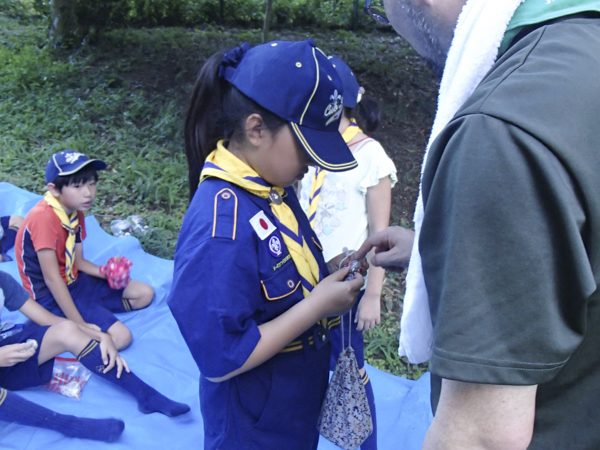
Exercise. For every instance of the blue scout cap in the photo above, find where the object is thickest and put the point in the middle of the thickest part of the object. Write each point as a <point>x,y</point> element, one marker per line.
<point>67,162</point>
<point>352,89</point>
<point>295,81</point>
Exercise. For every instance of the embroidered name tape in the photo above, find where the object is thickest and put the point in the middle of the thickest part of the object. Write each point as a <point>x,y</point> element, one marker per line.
<point>262,225</point>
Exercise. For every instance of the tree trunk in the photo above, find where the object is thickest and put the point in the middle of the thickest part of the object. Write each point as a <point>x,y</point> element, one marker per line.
<point>64,19</point>
<point>268,13</point>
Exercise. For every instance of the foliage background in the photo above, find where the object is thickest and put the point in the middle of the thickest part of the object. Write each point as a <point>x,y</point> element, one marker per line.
<point>122,95</point>
<point>331,14</point>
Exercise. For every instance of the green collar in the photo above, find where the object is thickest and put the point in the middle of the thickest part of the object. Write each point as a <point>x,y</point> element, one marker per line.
<point>531,12</point>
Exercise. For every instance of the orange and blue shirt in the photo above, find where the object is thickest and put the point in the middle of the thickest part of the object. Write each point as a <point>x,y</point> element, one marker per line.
<point>40,230</point>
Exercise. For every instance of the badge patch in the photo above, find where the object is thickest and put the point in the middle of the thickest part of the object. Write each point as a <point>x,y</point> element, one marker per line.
<point>334,109</point>
<point>262,225</point>
<point>275,246</point>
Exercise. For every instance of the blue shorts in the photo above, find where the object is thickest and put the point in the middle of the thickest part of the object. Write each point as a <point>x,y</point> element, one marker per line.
<point>28,373</point>
<point>94,299</point>
<point>276,405</point>
<point>356,338</point>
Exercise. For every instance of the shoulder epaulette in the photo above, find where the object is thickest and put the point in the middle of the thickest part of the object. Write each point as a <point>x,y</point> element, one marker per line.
<point>225,214</point>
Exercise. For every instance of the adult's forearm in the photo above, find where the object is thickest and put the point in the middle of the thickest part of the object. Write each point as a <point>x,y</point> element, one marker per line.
<point>482,416</point>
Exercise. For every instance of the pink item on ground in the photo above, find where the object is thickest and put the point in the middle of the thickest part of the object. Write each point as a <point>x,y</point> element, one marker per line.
<point>117,272</point>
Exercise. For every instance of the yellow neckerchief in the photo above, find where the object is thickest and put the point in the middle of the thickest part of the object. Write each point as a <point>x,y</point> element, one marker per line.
<point>317,182</point>
<point>70,224</point>
<point>221,163</point>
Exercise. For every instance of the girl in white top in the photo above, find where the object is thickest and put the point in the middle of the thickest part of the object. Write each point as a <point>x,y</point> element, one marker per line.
<point>344,208</point>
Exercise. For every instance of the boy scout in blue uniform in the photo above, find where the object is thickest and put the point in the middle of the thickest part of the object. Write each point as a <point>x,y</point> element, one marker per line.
<point>247,291</point>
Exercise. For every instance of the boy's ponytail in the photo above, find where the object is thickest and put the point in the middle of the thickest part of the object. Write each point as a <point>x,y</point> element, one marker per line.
<point>366,112</point>
<point>202,124</point>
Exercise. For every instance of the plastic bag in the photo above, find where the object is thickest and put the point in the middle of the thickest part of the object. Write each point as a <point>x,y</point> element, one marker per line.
<point>120,227</point>
<point>69,377</point>
<point>133,224</point>
<point>139,226</point>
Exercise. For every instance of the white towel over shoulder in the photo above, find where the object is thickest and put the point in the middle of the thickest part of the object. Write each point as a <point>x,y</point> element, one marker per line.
<point>478,35</point>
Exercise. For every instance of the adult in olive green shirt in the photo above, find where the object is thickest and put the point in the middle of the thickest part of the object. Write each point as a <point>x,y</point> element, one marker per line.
<point>510,238</point>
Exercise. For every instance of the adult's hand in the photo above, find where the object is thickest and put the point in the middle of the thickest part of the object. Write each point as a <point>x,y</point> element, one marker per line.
<point>392,248</point>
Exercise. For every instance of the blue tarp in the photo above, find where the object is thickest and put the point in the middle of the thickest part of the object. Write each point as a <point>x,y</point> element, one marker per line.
<point>160,357</point>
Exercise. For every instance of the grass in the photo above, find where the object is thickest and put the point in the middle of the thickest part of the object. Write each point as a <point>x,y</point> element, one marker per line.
<point>122,99</point>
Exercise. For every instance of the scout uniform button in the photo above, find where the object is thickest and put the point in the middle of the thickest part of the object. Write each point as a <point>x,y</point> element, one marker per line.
<point>321,336</point>
<point>290,283</point>
<point>275,197</point>
<point>225,195</point>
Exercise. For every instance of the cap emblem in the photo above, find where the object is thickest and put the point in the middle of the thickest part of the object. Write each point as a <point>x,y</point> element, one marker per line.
<point>72,157</point>
<point>334,109</point>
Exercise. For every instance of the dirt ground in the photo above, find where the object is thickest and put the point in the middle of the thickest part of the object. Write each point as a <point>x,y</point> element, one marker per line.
<point>404,136</point>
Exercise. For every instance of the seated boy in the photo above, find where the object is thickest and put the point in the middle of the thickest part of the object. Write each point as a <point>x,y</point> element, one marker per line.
<point>49,253</point>
<point>27,357</point>
<point>9,225</point>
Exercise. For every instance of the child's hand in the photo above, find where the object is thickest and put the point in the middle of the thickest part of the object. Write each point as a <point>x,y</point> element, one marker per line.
<point>334,263</point>
<point>368,313</point>
<point>13,354</point>
<point>92,326</point>
<point>110,356</point>
<point>333,296</point>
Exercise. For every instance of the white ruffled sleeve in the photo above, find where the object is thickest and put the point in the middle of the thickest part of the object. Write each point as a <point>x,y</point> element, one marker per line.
<point>375,164</point>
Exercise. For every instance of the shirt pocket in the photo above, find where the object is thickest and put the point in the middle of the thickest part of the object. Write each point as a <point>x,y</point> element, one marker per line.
<point>283,283</point>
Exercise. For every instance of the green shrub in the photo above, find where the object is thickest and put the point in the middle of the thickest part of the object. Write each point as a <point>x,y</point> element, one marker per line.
<point>17,9</point>
<point>99,14</point>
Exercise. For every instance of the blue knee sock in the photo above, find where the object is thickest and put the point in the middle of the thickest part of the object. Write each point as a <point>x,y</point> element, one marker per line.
<point>117,305</point>
<point>149,399</point>
<point>15,409</point>
<point>371,442</point>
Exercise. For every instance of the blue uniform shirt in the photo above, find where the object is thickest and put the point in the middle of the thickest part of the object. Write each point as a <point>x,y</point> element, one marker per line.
<point>233,272</point>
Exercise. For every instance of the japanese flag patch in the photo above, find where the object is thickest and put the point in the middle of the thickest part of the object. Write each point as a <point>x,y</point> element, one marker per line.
<point>262,225</point>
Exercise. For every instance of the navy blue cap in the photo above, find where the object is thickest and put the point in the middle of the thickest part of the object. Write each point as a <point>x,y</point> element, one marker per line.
<point>67,162</point>
<point>352,90</point>
<point>295,81</point>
